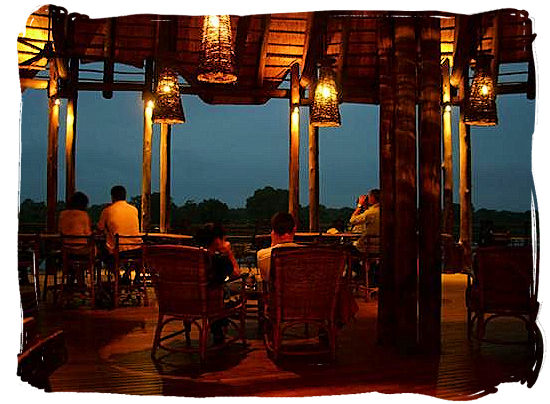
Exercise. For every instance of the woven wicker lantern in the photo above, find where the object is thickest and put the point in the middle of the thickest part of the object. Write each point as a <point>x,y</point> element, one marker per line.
<point>481,108</point>
<point>168,108</point>
<point>216,59</point>
<point>325,110</point>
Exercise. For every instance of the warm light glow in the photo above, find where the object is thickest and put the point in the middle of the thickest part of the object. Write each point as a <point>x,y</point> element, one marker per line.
<point>295,117</point>
<point>150,104</point>
<point>213,21</point>
<point>484,90</point>
<point>167,106</point>
<point>325,108</point>
<point>35,37</point>
<point>448,108</point>
<point>216,57</point>
<point>57,101</point>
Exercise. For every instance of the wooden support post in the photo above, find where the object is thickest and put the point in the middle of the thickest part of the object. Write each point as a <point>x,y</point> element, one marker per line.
<point>109,53</point>
<point>429,241</point>
<point>313,178</point>
<point>148,105</point>
<point>294,145</point>
<point>386,306</point>
<point>465,179</point>
<point>448,219</point>
<point>405,298</point>
<point>165,133</point>
<point>53,142</point>
<point>70,132</point>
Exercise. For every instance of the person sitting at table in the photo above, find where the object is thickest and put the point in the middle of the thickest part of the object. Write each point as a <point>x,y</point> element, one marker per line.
<point>119,218</point>
<point>75,221</point>
<point>283,229</point>
<point>223,266</point>
<point>367,217</point>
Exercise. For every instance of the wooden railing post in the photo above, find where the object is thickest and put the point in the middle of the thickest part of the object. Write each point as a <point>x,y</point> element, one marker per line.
<point>294,145</point>
<point>165,134</point>
<point>313,178</point>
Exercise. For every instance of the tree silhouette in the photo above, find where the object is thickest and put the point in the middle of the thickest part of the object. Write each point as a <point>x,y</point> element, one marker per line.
<point>266,202</point>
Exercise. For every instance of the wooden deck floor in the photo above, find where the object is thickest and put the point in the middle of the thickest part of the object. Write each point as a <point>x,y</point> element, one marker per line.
<point>109,351</point>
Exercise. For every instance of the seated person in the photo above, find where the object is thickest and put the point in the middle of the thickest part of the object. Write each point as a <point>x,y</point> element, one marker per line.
<point>223,266</point>
<point>119,218</point>
<point>74,221</point>
<point>367,217</point>
<point>282,235</point>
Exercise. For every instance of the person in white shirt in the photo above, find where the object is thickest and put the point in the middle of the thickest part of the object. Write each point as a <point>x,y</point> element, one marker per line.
<point>119,218</point>
<point>282,235</point>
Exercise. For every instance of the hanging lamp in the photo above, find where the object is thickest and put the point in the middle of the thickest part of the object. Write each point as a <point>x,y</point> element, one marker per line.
<point>216,58</point>
<point>325,109</point>
<point>168,108</point>
<point>481,108</point>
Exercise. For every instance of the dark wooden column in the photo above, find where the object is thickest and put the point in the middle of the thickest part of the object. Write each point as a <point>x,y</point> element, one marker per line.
<point>53,144</point>
<point>294,144</point>
<point>165,134</point>
<point>386,306</point>
<point>429,247</point>
<point>465,177</point>
<point>313,178</point>
<point>148,105</point>
<point>70,132</point>
<point>405,251</point>
<point>448,213</point>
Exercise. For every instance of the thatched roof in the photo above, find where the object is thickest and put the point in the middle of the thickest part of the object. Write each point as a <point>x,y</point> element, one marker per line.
<point>267,45</point>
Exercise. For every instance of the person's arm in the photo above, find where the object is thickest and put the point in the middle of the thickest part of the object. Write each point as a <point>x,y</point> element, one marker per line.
<point>358,216</point>
<point>227,251</point>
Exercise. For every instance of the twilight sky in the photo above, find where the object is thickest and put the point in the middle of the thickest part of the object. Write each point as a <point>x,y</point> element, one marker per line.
<point>226,152</point>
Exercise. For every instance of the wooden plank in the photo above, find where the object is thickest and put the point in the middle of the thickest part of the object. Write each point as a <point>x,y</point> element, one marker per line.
<point>465,189</point>
<point>429,258</point>
<point>263,50</point>
<point>313,146</point>
<point>70,132</point>
<point>294,144</point>
<point>53,144</point>
<point>240,41</point>
<point>465,44</point>
<point>448,220</point>
<point>165,134</point>
<point>109,54</point>
<point>147,148</point>
<point>386,301</point>
<point>316,47</point>
<point>405,184</point>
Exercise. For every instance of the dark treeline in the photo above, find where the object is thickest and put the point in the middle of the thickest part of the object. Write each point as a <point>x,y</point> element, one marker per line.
<point>254,217</point>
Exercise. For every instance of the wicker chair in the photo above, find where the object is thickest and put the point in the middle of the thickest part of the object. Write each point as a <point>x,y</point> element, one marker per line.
<point>128,256</point>
<point>303,289</point>
<point>504,283</point>
<point>78,257</point>
<point>181,284</point>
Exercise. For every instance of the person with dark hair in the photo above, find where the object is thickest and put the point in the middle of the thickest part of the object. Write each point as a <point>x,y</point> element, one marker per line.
<point>119,218</point>
<point>74,221</point>
<point>366,218</point>
<point>222,266</point>
<point>223,263</point>
<point>282,234</point>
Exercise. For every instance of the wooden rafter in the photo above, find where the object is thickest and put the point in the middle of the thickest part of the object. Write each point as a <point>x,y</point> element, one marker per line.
<point>465,44</point>
<point>315,47</point>
<point>240,41</point>
<point>263,50</point>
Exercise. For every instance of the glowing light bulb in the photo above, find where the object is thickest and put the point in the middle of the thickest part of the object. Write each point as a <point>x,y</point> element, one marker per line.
<point>325,92</point>
<point>57,101</point>
<point>166,88</point>
<point>484,90</point>
<point>448,108</point>
<point>213,21</point>
<point>150,104</point>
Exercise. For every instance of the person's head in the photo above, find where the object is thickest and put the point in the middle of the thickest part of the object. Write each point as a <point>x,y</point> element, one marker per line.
<point>78,200</point>
<point>374,196</point>
<point>211,236</point>
<point>118,193</point>
<point>283,227</point>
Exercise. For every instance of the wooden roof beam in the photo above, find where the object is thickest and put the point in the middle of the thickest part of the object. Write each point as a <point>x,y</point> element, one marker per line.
<point>263,50</point>
<point>240,41</point>
<point>316,47</point>
<point>465,45</point>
